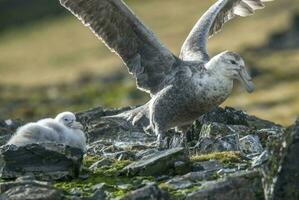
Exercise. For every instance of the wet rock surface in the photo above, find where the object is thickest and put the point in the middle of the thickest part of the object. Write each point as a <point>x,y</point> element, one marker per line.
<point>226,151</point>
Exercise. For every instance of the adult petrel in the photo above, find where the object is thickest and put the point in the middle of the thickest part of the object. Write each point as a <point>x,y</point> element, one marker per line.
<point>181,88</point>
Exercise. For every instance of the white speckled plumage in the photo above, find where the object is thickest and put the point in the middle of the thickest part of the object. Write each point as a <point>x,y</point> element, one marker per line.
<point>181,88</point>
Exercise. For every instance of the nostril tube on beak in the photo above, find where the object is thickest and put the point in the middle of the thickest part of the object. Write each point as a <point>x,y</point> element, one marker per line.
<point>246,79</point>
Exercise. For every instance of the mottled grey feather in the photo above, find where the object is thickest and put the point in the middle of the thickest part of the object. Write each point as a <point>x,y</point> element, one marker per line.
<point>195,46</point>
<point>113,22</point>
<point>182,90</point>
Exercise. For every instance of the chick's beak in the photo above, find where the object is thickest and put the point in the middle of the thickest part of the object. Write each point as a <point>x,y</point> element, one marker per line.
<point>246,79</point>
<point>76,125</point>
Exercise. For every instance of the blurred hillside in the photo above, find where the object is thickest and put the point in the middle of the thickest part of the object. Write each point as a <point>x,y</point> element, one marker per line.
<point>50,62</point>
<point>19,13</point>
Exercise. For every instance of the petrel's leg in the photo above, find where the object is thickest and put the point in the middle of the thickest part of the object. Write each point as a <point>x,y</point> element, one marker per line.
<point>162,142</point>
<point>183,130</point>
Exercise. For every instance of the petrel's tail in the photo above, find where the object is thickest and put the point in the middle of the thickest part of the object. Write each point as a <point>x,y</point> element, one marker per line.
<point>137,117</point>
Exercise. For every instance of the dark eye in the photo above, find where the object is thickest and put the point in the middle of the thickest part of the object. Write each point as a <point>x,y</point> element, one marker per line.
<point>233,62</point>
<point>66,120</point>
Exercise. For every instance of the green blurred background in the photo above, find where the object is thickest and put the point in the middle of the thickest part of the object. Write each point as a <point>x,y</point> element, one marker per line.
<point>50,62</point>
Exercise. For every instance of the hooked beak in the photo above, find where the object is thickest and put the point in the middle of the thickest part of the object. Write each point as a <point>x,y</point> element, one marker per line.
<point>246,79</point>
<point>76,125</point>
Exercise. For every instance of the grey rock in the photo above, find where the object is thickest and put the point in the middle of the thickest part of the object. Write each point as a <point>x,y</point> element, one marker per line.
<point>261,159</point>
<point>125,186</point>
<point>266,134</point>
<point>251,144</point>
<point>45,161</point>
<point>116,132</point>
<point>242,166</point>
<point>144,153</point>
<point>163,178</point>
<point>25,189</point>
<point>226,121</point>
<point>230,121</point>
<point>225,115</point>
<point>149,192</point>
<point>92,117</point>
<point>211,165</point>
<point>112,149</point>
<point>100,186</point>
<point>84,176</point>
<point>245,186</point>
<point>281,172</point>
<point>96,148</point>
<point>222,122</point>
<point>121,155</point>
<point>157,164</point>
<point>75,192</point>
<point>225,143</point>
<point>216,130</point>
<point>226,171</point>
<point>26,178</point>
<point>98,195</point>
<point>4,136</point>
<point>173,139</point>
<point>231,116</point>
<point>179,183</point>
<point>180,167</point>
<point>200,176</point>
<point>147,182</point>
<point>101,163</point>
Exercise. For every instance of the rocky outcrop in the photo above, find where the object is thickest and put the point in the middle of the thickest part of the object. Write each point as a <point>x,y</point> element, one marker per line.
<point>44,161</point>
<point>151,191</point>
<point>244,185</point>
<point>226,151</point>
<point>120,132</point>
<point>162,162</point>
<point>28,188</point>
<point>281,173</point>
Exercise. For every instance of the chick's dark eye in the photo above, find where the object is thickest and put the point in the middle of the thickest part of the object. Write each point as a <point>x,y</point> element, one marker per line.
<point>233,62</point>
<point>65,119</point>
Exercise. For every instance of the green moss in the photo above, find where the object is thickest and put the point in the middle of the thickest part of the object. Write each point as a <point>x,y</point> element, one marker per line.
<point>113,169</point>
<point>228,158</point>
<point>89,160</point>
<point>178,194</point>
<point>107,175</point>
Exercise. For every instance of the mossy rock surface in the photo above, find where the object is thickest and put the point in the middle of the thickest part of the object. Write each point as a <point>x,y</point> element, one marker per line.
<point>282,170</point>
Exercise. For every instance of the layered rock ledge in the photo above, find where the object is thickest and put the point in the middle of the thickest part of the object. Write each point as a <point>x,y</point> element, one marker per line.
<point>230,155</point>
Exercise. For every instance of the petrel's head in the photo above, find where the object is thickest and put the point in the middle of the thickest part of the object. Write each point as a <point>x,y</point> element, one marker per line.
<point>69,120</point>
<point>231,65</point>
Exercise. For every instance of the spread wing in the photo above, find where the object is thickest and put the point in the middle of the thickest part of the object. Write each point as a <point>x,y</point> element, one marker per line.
<point>117,26</point>
<point>195,46</point>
